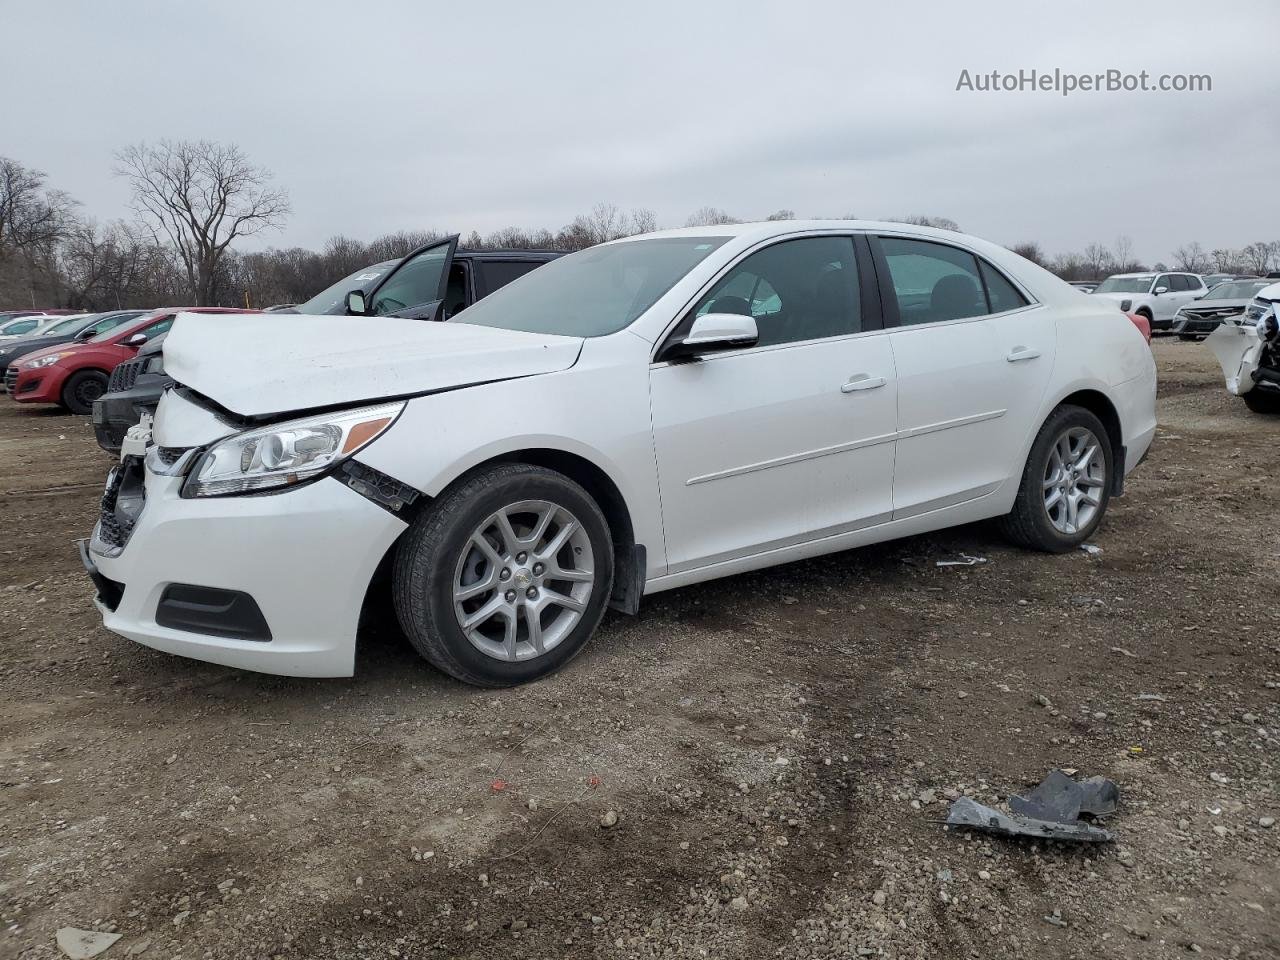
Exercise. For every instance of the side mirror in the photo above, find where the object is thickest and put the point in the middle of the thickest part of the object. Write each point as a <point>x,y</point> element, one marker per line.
<point>355,303</point>
<point>712,333</point>
<point>1159,290</point>
<point>137,340</point>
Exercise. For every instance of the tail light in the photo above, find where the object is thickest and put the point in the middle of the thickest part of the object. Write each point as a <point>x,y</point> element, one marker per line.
<point>1142,323</point>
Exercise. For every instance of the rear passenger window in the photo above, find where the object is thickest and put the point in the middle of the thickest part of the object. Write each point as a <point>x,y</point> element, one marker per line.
<point>1002,294</point>
<point>932,281</point>
<point>494,274</point>
<point>796,290</point>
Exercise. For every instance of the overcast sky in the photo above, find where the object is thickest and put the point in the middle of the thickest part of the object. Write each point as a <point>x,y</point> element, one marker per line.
<point>379,116</point>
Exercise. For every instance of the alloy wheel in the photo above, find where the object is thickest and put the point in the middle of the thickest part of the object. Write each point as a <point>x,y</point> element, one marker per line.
<point>523,580</point>
<point>1074,478</point>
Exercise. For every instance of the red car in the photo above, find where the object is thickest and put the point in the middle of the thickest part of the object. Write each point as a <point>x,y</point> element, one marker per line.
<point>73,375</point>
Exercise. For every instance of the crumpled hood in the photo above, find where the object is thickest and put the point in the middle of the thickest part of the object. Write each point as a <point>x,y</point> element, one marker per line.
<point>257,365</point>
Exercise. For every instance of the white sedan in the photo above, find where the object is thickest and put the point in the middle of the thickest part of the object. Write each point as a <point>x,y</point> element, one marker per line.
<point>642,415</point>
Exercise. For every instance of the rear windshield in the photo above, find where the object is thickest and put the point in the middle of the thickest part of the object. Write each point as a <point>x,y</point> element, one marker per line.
<point>594,292</point>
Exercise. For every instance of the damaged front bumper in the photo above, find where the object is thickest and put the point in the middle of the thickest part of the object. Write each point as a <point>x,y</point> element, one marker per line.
<point>1249,354</point>
<point>272,582</point>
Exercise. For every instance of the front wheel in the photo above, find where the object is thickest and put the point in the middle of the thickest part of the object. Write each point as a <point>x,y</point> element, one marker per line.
<point>1066,484</point>
<point>82,389</point>
<point>1260,401</point>
<point>506,577</point>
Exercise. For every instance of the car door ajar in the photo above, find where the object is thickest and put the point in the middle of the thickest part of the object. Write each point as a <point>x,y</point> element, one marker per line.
<point>789,440</point>
<point>416,286</point>
<point>973,359</point>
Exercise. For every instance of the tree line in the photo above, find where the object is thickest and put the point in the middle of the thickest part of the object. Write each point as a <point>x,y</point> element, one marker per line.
<point>190,201</point>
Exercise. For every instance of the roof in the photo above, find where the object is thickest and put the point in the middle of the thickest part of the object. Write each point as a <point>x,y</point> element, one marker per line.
<point>764,229</point>
<point>509,253</point>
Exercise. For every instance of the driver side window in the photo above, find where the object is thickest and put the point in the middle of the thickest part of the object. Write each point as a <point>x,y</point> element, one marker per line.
<point>415,283</point>
<point>796,290</point>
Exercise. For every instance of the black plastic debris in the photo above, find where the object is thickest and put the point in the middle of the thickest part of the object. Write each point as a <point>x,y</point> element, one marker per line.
<point>1052,811</point>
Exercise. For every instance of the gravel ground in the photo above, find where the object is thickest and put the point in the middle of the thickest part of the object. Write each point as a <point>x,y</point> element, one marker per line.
<point>755,767</point>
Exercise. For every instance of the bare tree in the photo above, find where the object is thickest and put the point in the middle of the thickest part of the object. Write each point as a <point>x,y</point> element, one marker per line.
<point>1097,260</point>
<point>30,214</point>
<point>783,214</point>
<point>643,220</point>
<point>1123,260</point>
<point>1256,257</point>
<point>709,217</point>
<point>1031,250</point>
<point>941,223</point>
<point>1224,260</point>
<point>201,196</point>
<point>1191,258</point>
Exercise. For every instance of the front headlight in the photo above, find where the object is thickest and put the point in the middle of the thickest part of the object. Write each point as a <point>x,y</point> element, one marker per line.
<point>284,454</point>
<point>48,361</point>
<point>155,364</point>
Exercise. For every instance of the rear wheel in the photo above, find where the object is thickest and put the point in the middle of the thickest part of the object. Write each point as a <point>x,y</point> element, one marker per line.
<point>1260,401</point>
<point>81,389</point>
<point>506,578</point>
<point>1066,484</point>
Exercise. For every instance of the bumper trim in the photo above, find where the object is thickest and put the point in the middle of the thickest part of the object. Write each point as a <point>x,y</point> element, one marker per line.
<point>110,593</point>
<point>213,612</point>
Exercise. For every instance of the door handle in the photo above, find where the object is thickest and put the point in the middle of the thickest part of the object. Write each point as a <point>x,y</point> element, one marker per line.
<point>1021,353</point>
<point>861,382</point>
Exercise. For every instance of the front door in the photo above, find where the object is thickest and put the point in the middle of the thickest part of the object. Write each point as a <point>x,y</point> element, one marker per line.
<point>787,441</point>
<point>417,284</point>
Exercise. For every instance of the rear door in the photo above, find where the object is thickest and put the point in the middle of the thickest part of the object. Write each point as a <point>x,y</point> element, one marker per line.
<point>417,285</point>
<point>973,357</point>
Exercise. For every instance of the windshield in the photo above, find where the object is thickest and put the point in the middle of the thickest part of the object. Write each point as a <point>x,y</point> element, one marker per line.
<point>594,292</point>
<point>1125,284</point>
<point>334,299</point>
<point>105,329</point>
<point>69,325</point>
<point>20,325</point>
<point>1236,289</point>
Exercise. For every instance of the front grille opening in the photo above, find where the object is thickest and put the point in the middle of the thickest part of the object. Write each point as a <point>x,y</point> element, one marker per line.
<point>125,375</point>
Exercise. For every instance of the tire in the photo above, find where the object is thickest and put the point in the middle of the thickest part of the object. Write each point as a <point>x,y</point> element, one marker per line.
<point>440,555</point>
<point>81,389</point>
<point>1031,522</point>
<point>1260,401</point>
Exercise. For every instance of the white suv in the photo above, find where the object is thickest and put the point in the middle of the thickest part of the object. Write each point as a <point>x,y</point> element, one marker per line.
<point>1156,296</point>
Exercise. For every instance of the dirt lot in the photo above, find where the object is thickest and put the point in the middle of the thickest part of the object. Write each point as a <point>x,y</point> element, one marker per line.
<point>778,750</point>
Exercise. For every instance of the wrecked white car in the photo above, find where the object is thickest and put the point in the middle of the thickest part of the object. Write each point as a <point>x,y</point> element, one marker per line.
<point>1248,347</point>
<point>642,415</point>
